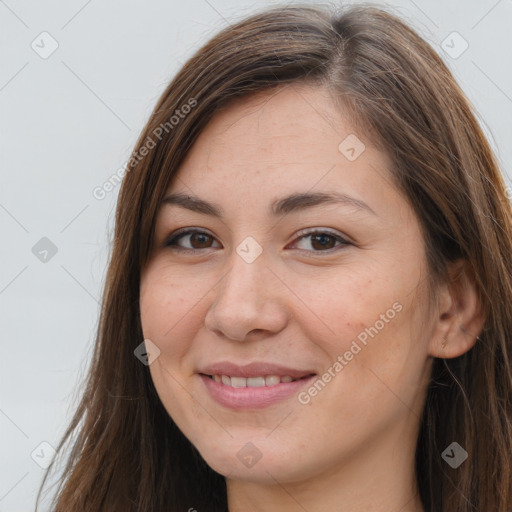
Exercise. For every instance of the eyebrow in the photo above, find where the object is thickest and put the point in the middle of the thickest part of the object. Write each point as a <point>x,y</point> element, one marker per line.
<point>288,204</point>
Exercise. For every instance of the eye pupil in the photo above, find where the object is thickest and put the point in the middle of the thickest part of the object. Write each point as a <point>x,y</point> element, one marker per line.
<point>325,241</point>
<point>201,238</point>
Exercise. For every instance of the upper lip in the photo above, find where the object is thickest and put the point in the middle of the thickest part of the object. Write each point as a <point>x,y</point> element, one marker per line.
<point>255,369</point>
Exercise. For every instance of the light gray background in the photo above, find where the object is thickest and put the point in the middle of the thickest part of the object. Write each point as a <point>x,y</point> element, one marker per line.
<point>69,121</point>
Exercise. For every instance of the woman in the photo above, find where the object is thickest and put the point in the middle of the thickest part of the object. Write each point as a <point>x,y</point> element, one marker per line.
<point>307,305</point>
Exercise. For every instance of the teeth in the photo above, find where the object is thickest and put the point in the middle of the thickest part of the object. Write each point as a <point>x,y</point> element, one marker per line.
<point>272,380</point>
<point>237,382</point>
<point>255,382</point>
<point>252,382</point>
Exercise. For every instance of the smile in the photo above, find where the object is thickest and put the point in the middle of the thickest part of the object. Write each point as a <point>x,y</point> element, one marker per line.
<point>252,392</point>
<point>251,382</point>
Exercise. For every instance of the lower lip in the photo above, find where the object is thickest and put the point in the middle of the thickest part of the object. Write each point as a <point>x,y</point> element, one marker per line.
<point>252,398</point>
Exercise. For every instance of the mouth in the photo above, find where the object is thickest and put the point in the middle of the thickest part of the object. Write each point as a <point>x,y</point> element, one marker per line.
<point>252,393</point>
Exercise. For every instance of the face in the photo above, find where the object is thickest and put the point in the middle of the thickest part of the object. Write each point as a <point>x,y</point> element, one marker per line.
<point>297,258</point>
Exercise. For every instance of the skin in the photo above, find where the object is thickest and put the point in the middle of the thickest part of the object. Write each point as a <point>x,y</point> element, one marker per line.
<point>297,304</point>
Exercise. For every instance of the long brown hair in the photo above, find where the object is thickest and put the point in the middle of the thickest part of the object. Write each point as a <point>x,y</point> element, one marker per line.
<point>128,455</point>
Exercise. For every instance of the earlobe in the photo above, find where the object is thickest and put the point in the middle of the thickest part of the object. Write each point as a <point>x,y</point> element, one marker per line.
<point>459,314</point>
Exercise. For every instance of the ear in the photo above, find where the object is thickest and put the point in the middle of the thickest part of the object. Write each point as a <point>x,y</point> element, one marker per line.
<point>459,316</point>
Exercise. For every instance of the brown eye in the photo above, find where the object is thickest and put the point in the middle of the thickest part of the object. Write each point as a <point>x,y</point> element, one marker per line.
<point>323,241</point>
<point>193,240</point>
<point>200,240</point>
<point>320,241</point>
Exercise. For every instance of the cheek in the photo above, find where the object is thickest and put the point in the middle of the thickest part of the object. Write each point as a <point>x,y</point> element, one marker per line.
<point>341,304</point>
<point>170,307</point>
<point>170,316</point>
<point>364,322</point>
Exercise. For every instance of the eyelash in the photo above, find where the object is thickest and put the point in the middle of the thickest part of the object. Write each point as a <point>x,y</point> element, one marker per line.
<point>171,241</point>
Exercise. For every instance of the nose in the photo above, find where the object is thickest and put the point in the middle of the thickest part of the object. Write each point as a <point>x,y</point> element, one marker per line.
<point>247,301</point>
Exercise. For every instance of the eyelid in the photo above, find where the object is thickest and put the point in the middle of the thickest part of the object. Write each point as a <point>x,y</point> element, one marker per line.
<point>327,231</point>
<point>187,230</point>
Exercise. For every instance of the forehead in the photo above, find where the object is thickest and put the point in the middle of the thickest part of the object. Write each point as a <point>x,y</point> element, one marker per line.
<point>288,140</point>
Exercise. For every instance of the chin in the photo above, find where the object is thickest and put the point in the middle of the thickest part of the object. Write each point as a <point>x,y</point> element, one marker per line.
<point>259,461</point>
